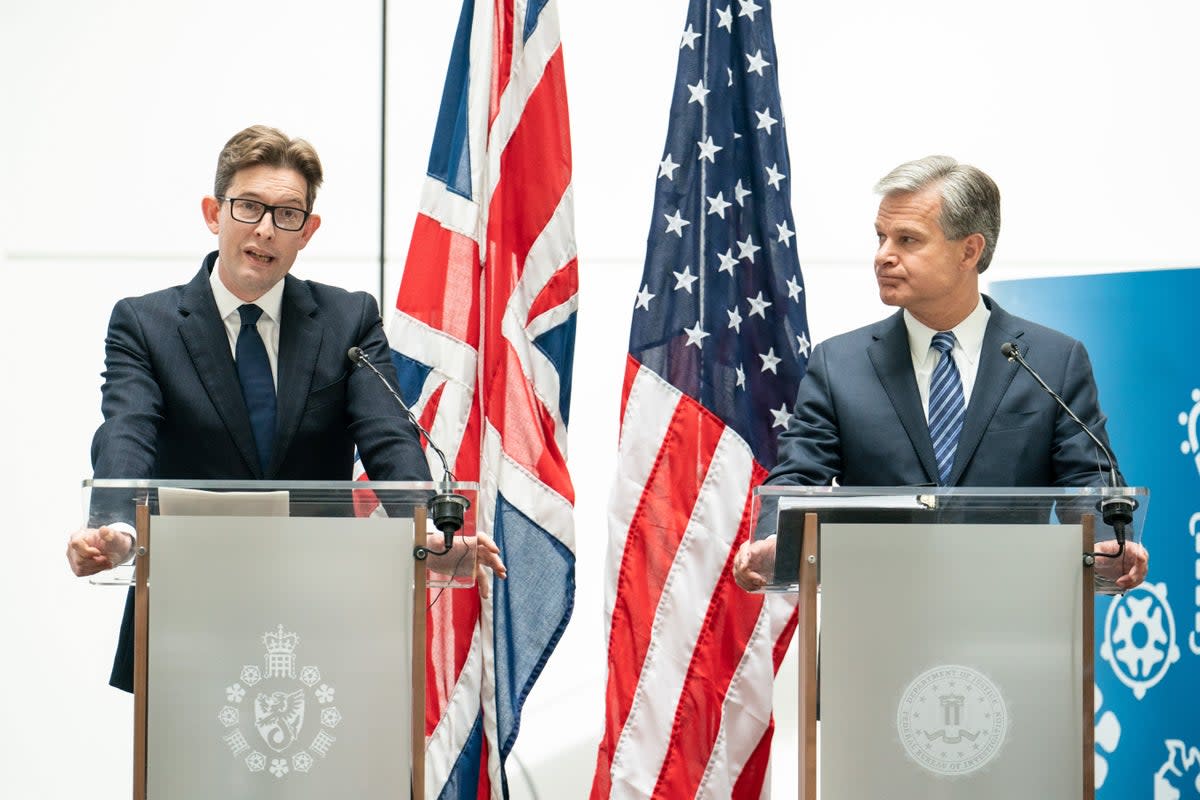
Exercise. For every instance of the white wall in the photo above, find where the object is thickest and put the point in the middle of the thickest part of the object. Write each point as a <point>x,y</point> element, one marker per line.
<point>114,112</point>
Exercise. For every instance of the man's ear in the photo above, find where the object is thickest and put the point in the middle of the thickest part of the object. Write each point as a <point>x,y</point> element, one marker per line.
<point>310,227</point>
<point>211,208</point>
<point>972,251</point>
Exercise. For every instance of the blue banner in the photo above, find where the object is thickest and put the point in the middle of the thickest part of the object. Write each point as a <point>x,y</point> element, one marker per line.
<point>1142,334</point>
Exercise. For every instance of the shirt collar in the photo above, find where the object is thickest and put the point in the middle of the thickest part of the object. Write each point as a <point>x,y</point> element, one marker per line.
<point>968,333</point>
<point>227,302</point>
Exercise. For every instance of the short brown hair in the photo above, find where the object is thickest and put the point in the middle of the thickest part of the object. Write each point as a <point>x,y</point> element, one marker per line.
<point>970,198</point>
<point>263,145</point>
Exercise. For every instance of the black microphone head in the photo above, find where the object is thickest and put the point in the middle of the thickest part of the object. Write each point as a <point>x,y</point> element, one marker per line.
<point>1009,351</point>
<point>355,354</point>
<point>448,510</point>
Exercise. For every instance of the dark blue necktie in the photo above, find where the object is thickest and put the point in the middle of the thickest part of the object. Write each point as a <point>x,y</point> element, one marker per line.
<point>258,387</point>
<point>946,407</point>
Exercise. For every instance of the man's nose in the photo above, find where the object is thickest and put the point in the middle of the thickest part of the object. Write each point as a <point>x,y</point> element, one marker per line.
<point>266,226</point>
<point>884,254</point>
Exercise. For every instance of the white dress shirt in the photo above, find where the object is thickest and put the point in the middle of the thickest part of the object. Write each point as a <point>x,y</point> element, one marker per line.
<point>268,324</point>
<point>968,344</point>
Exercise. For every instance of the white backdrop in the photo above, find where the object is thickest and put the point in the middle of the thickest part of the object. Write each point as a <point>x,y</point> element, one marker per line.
<point>113,113</point>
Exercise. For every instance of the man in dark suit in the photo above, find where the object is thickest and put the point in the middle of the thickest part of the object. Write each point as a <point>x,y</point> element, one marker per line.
<point>180,399</point>
<point>877,408</point>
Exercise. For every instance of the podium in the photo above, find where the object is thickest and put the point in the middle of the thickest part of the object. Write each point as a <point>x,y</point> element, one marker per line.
<point>279,633</point>
<point>955,634</point>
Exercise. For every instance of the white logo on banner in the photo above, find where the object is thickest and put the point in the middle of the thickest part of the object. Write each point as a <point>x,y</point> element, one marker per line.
<point>1179,776</point>
<point>952,720</point>
<point>1194,636</point>
<point>1139,637</point>
<point>1189,419</point>
<point>1108,736</point>
<point>281,699</point>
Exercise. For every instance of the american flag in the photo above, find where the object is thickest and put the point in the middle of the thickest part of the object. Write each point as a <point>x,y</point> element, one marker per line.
<point>483,340</point>
<point>718,345</point>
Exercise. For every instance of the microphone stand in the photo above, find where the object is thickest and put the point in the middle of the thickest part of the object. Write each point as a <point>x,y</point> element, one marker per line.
<point>447,508</point>
<point>1117,512</point>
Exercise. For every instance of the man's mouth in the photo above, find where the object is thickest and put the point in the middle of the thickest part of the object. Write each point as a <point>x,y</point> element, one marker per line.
<point>258,256</point>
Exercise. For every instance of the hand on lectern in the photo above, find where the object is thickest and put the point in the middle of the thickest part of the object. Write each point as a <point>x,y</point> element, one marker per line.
<point>754,564</point>
<point>487,558</point>
<point>1127,571</point>
<point>92,550</point>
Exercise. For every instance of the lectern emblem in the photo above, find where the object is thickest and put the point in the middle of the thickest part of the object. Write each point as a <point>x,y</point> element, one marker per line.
<point>277,696</point>
<point>952,720</point>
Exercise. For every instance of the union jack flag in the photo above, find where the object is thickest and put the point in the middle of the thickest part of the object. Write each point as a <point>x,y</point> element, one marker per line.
<point>718,345</point>
<point>483,338</point>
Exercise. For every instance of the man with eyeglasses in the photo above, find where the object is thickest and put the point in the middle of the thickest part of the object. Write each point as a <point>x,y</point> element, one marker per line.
<point>242,374</point>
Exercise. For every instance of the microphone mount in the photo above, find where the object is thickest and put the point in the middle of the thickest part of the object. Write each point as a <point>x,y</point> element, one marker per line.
<point>447,508</point>
<point>1117,512</point>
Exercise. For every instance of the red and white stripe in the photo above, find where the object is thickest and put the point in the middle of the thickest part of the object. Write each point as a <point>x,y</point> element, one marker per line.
<point>691,656</point>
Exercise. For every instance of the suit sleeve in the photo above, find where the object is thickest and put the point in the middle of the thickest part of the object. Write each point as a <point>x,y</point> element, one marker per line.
<point>810,450</point>
<point>132,404</point>
<point>388,444</point>
<point>1077,461</point>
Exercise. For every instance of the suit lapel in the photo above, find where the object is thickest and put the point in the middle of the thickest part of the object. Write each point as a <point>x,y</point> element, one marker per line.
<point>299,346</point>
<point>892,361</point>
<point>207,343</point>
<point>992,379</point>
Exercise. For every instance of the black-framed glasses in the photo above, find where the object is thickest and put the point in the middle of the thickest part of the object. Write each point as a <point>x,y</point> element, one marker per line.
<point>250,211</point>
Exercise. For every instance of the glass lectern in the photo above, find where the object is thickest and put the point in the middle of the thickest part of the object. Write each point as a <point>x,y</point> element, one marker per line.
<point>279,632</point>
<point>956,634</point>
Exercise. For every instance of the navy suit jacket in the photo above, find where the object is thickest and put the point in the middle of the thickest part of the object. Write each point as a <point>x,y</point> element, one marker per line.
<point>173,406</point>
<point>858,415</point>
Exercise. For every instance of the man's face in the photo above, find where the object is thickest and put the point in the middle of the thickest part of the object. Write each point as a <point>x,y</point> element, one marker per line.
<point>253,257</point>
<point>917,267</point>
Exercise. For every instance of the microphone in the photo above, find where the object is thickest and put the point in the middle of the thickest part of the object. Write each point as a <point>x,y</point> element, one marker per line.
<point>1117,512</point>
<point>447,508</point>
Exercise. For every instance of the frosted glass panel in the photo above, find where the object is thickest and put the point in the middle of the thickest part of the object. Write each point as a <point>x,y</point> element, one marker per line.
<point>951,661</point>
<point>279,658</point>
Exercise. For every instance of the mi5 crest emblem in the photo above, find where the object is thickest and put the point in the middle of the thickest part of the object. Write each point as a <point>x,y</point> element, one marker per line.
<point>266,709</point>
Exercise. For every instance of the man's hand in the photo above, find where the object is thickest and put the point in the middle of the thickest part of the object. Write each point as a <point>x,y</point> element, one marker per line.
<point>1127,571</point>
<point>754,564</point>
<point>487,558</point>
<point>92,550</point>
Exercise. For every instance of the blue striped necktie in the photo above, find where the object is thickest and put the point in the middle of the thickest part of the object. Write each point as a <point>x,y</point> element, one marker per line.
<point>258,387</point>
<point>946,407</point>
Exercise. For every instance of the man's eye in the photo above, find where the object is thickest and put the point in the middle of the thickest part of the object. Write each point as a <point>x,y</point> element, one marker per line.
<point>249,206</point>
<point>290,215</point>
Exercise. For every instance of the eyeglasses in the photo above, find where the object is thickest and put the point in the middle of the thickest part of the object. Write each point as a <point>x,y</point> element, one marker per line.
<point>285,218</point>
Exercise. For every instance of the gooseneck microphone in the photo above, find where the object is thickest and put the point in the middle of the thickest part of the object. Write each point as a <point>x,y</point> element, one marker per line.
<point>1117,512</point>
<point>447,508</point>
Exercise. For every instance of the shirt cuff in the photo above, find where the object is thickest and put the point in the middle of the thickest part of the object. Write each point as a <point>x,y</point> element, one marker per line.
<point>125,527</point>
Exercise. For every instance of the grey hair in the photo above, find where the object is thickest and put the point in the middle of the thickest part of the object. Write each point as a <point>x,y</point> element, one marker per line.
<point>970,199</point>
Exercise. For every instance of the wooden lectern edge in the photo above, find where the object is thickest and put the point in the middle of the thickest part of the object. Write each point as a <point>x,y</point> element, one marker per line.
<point>1088,647</point>
<point>807,620</point>
<point>141,629</point>
<point>417,710</point>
